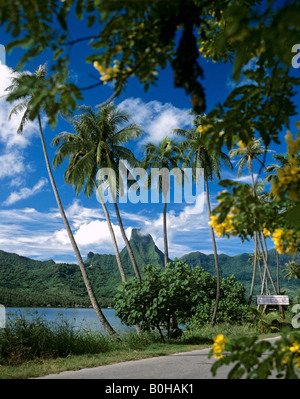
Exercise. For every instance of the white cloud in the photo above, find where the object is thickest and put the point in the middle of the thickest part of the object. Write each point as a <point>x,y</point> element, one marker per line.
<point>14,165</point>
<point>25,192</point>
<point>93,234</point>
<point>156,118</point>
<point>42,235</point>
<point>11,164</point>
<point>8,127</point>
<point>241,179</point>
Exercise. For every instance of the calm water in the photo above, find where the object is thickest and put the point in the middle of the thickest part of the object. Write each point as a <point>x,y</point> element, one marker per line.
<point>83,319</point>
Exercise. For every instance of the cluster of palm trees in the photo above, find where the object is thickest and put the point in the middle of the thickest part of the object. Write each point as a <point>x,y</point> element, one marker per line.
<point>98,142</point>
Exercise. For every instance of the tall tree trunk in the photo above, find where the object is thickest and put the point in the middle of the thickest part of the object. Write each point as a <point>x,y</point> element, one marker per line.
<point>105,324</point>
<point>254,269</point>
<point>214,316</point>
<point>113,237</point>
<point>127,243</point>
<point>165,233</point>
<point>277,271</point>
<point>112,234</point>
<point>256,255</point>
<point>265,258</point>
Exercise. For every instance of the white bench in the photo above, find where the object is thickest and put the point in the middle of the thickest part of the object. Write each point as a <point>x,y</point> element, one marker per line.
<point>273,300</point>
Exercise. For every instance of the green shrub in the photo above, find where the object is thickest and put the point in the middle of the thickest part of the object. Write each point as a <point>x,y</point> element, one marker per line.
<point>180,294</point>
<point>160,296</point>
<point>232,306</point>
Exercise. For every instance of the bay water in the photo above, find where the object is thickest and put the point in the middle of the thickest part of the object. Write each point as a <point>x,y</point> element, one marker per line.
<point>79,318</point>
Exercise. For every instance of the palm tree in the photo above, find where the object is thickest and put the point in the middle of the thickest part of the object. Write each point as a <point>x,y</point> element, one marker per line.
<point>248,153</point>
<point>199,157</point>
<point>25,104</point>
<point>97,144</point>
<point>164,158</point>
<point>292,270</point>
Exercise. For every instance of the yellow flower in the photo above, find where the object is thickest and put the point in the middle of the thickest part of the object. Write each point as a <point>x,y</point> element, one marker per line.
<point>220,339</point>
<point>266,232</point>
<point>285,241</point>
<point>219,346</point>
<point>241,144</point>
<point>203,129</point>
<point>107,73</point>
<point>285,360</point>
<point>295,347</point>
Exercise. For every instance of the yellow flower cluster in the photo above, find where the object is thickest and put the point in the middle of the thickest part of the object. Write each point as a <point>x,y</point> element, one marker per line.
<point>219,346</point>
<point>203,128</point>
<point>294,348</point>
<point>288,181</point>
<point>226,227</point>
<point>266,232</point>
<point>293,146</point>
<point>286,241</point>
<point>241,144</point>
<point>107,73</point>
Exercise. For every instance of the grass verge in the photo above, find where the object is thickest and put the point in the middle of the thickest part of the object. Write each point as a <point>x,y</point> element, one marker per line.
<point>30,349</point>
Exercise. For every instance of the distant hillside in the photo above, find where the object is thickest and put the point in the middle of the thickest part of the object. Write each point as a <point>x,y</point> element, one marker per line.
<point>28,282</point>
<point>240,267</point>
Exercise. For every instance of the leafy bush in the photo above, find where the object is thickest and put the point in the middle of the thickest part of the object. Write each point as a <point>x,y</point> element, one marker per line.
<point>159,297</point>
<point>232,306</point>
<point>178,293</point>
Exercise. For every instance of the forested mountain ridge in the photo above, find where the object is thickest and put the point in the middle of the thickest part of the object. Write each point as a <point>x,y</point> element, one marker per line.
<point>28,282</point>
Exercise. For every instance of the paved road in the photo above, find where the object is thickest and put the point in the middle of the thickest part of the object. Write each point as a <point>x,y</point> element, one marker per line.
<point>191,365</point>
<point>186,365</point>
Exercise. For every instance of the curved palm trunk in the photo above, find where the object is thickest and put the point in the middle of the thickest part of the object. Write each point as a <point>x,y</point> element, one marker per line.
<point>113,236</point>
<point>107,327</point>
<point>255,238</point>
<point>165,233</point>
<point>127,243</point>
<point>214,316</point>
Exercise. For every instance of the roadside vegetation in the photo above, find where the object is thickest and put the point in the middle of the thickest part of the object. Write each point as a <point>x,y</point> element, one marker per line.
<point>139,39</point>
<point>33,347</point>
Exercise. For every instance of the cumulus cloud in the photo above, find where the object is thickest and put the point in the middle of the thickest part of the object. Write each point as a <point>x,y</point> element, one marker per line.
<point>42,235</point>
<point>8,127</point>
<point>156,118</point>
<point>11,164</point>
<point>14,166</point>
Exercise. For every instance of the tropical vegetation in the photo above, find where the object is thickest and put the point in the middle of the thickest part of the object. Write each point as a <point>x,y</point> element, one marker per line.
<point>139,39</point>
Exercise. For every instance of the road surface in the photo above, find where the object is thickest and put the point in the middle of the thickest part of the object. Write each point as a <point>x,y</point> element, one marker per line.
<point>185,365</point>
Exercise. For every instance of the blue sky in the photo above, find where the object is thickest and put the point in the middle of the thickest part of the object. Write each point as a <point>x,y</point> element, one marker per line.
<point>30,223</point>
